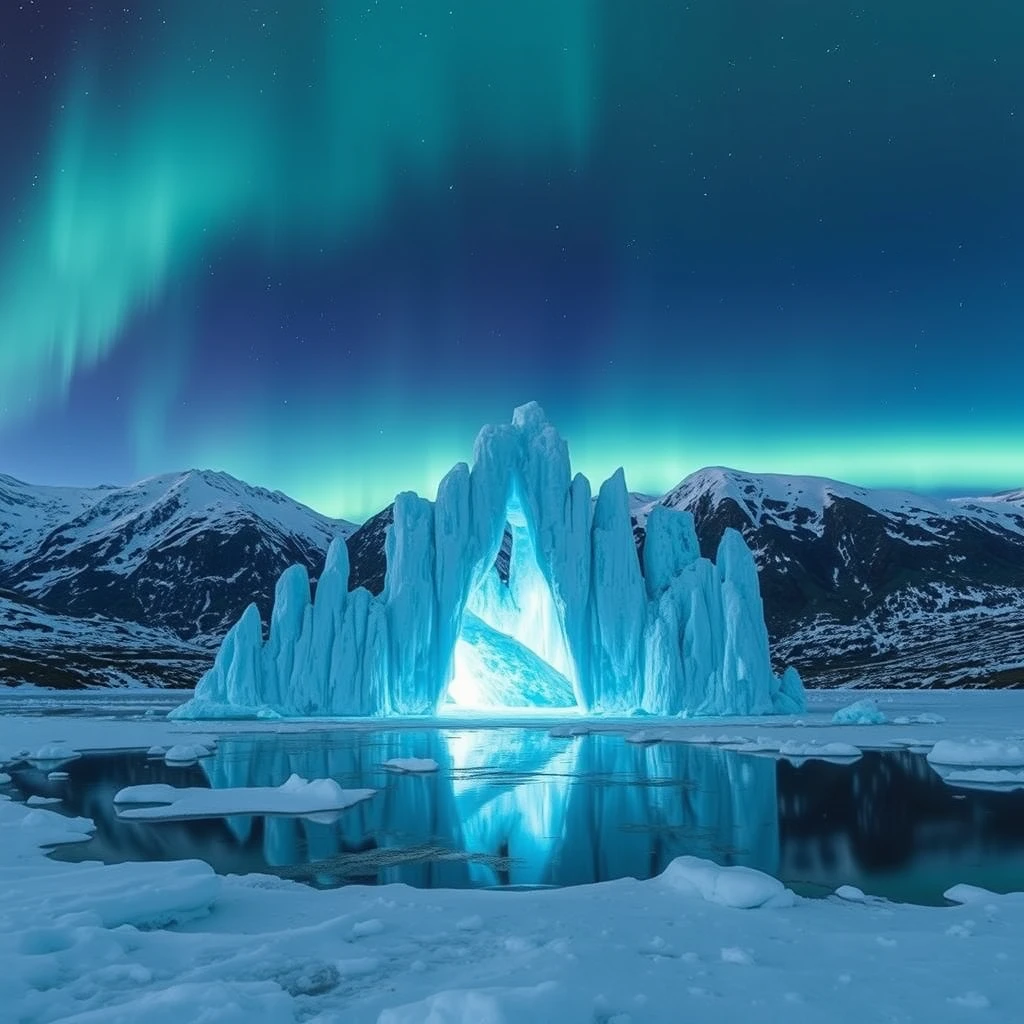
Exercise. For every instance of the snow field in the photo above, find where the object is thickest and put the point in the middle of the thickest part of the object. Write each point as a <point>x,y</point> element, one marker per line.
<point>172,942</point>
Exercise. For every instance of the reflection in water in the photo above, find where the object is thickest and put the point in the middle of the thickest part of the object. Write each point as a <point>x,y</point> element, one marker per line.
<point>515,807</point>
<point>509,807</point>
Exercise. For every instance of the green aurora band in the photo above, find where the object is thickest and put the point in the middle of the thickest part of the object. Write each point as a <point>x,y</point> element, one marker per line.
<point>238,133</point>
<point>249,131</point>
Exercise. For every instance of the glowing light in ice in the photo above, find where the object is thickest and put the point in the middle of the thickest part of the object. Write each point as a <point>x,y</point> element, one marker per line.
<point>512,651</point>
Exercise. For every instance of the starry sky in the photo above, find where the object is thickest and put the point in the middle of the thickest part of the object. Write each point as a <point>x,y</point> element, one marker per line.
<point>318,245</point>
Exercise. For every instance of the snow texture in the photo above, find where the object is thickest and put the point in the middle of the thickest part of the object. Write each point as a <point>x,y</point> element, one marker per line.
<point>296,796</point>
<point>679,635</point>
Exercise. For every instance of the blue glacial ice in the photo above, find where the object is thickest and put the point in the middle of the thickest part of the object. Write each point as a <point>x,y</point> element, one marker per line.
<point>581,619</point>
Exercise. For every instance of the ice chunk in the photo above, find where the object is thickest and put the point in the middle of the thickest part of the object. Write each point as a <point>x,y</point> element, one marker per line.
<point>412,765</point>
<point>297,796</point>
<point>738,886</point>
<point>819,751</point>
<point>979,752</point>
<point>852,894</point>
<point>985,778</point>
<point>927,718</point>
<point>861,712</point>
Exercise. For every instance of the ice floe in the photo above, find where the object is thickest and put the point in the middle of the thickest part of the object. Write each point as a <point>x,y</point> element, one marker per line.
<point>411,765</point>
<point>187,753</point>
<point>983,753</point>
<point>297,796</point>
<point>985,778</point>
<point>860,712</point>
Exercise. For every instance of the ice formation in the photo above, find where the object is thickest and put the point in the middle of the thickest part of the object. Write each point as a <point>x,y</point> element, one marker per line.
<point>670,633</point>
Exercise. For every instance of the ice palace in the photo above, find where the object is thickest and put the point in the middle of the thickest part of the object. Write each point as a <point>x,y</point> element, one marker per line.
<point>571,618</point>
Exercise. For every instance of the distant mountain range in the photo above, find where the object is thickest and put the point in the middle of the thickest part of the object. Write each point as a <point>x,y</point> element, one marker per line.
<point>111,584</point>
<point>875,587</point>
<point>107,586</point>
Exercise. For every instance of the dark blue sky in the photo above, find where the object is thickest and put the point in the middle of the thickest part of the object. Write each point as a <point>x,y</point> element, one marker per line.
<point>318,247</point>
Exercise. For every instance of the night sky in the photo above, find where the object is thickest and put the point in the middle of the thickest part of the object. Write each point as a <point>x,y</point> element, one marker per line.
<point>318,245</point>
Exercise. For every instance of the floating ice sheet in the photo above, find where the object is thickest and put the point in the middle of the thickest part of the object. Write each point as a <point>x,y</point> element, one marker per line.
<point>297,796</point>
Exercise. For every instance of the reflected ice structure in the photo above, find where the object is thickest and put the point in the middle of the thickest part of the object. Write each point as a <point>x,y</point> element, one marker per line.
<point>513,590</point>
<point>509,807</point>
<point>516,807</point>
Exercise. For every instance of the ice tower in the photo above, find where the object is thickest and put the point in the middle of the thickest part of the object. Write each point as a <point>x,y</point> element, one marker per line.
<point>569,616</point>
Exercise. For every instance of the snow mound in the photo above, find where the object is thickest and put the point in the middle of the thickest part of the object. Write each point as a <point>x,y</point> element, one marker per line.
<point>740,887</point>
<point>411,765</point>
<point>297,797</point>
<point>186,753</point>
<point>852,894</point>
<point>978,753</point>
<point>963,893</point>
<point>861,712</point>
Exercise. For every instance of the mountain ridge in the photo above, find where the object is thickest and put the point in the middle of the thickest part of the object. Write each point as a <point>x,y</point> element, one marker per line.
<point>861,586</point>
<point>166,564</point>
<point>875,586</point>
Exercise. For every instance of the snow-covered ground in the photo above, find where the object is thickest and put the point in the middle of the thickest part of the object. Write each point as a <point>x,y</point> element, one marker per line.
<point>98,944</point>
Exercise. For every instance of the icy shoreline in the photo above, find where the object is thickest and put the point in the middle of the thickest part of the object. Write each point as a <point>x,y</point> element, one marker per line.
<point>161,942</point>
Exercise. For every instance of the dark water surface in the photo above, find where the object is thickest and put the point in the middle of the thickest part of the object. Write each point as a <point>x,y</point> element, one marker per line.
<point>515,807</point>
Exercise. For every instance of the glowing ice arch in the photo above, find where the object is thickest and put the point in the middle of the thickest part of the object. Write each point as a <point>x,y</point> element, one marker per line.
<point>681,635</point>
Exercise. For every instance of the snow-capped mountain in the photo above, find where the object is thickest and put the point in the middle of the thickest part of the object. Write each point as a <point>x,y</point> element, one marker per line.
<point>173,559</point>
<point>875,587</point>
<point>865,586</point>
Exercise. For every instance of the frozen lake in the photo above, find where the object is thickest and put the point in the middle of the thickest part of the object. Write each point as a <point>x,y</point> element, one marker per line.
<point>188,914</point>
<point>516,807</point>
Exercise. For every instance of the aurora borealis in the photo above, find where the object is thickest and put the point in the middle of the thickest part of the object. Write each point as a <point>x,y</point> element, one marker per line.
<point>318,245</point>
